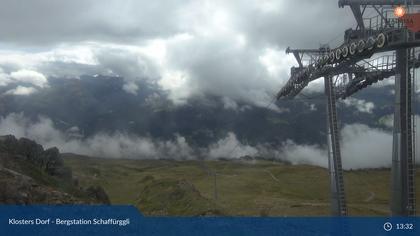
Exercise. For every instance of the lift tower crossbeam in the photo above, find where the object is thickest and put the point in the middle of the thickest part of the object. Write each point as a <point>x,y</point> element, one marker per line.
<point>300,53</point>
<point>342,3</point>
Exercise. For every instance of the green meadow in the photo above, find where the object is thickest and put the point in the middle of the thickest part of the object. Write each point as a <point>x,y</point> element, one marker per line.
<point>231,188</point>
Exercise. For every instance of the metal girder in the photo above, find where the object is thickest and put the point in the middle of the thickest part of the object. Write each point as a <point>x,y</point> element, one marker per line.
<point>381,14</point>
<point>342,3</point>
<point>301,79</point>
<point>298,58</point>
<point>361,81</point>
<point>402,183</point>
<point>312,51</point>
<point>391,37</point>
<point>358,15</point>
<point>395,39</point>
<point>338,199</point>
<point>299,53</point>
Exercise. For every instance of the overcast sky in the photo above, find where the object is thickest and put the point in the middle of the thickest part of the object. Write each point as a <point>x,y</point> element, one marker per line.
<point>233,49</point>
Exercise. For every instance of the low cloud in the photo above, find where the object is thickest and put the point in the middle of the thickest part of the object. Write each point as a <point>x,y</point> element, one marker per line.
<point>387,121</point>
<point>21,90</point>
<point>303,154</point>
<point>365,147</point>
<point>229,103</point>
<point>362,146</point>
<point>29,76</point>
<point>131,88</point>
<point>117,145</point>
<point>4,78</point>
<point>230,147</point>
<point>26,81</point>
<point>360,104</point>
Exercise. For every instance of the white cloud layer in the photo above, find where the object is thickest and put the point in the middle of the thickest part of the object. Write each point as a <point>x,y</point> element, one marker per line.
<point>233,49</point>
<point>360,104</point>
<point>31,79</point>
<point>303,154</point>
<point>362,146</point>
<point>29,76</point>
<point>230,147</point>
<point>21,90</point>
<point>365,147</point>
<point>117,145</point>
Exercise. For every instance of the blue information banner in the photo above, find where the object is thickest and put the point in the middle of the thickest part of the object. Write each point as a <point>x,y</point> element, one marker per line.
<point>127,220</point>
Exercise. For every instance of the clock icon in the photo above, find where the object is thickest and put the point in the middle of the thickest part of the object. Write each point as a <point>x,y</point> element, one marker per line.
<point>387,226</point>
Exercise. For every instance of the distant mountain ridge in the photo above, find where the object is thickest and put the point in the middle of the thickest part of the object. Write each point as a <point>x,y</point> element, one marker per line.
<point>96,104</point>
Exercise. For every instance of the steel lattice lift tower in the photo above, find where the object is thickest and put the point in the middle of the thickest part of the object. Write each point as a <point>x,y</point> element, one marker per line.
<point>346,70</point>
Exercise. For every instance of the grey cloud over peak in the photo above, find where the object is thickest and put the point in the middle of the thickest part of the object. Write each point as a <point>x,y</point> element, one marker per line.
<point>43,22</point>
<point>233,49</point>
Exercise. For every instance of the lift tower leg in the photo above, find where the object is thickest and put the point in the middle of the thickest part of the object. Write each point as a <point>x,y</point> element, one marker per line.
<point>338,201</point>
<point>402,182</point>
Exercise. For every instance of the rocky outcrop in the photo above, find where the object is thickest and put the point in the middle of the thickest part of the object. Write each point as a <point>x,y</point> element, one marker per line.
<point>24,147</point>
<point>49,160</point>
<point>98,193</point>
<point>31,175</point>
<point>16,188</point>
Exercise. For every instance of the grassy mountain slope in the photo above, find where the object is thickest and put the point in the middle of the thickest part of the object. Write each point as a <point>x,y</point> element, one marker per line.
<point>263,188</point>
